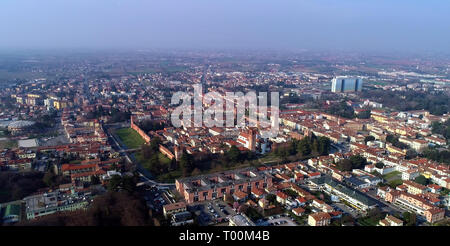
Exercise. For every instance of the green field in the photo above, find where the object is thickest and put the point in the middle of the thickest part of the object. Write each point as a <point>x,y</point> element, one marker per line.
<point>392,175</point>
<point>367,221</point>
<point>130,138</point>
<point>393,179</point>
<point>395,183</point>
<point>167,177</point>
<point>145,162</point>
<point>8,144</point>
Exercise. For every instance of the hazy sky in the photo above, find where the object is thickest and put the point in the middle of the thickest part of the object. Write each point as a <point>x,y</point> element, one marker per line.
<point>406,25</point>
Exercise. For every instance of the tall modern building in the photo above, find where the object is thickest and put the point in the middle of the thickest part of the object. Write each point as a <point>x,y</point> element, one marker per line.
<point>346,84</point>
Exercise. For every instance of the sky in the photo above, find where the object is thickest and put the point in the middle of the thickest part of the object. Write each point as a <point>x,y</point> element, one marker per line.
<point>375,25</point>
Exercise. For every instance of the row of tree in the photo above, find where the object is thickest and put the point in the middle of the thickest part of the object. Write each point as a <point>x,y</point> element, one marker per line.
<point>442,129</point>
<point>437,103</point>
<point>354,162</point>
<point>151,125</point>
<point>116,115</point>
<point>110,209</point>
<point>306,147</point>
<point>394,140</point>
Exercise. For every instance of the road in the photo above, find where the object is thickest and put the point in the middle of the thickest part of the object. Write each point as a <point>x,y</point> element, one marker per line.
<point>383,204</point>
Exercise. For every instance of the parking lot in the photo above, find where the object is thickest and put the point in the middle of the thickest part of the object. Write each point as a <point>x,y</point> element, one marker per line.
<point>346,209</point>
<point>212,212</point>
<point>155,198</point>
<point>281,221</point>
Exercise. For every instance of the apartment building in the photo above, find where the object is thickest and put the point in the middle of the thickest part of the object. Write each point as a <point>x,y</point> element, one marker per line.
<point>319,219</point>
<point>414,188</point>
<point>173,208</point>
<point>214,186</point>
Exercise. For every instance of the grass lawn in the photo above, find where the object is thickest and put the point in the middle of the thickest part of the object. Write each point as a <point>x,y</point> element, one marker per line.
<point>145,162</point>
<point>393,179</point>
<point>8,144</point>
<point>130,138</point>
<point>170,176</point>
<point>300,220</point>
<point>395,183</point>
<point>368,221</point>
<point>167,177</point>
<point>269,159</point>
<point>392,175</point>
<point>75,162</point>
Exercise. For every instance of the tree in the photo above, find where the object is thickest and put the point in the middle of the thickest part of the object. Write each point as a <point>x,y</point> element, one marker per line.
<point>422,180</point>
<point>369,138</point>
<point>234,154</point>
<point>114,183</point>
<point>110,209</point>
<point>154,144</point>
<point>358,161</point>
<point>410,218</point>
<point>49,178</point>
<point>341,109</point>
<point>344,165</point>
<point>379,165</point>
<point>196,172</point>
<point>324,145</point>
<point>410,154</point>
<point>304,147</point>
<point>271,198</point>
<point>187,163</point>
<point>354,162</point>
<point>95,180</point>
<point>375,213</point>
<point>364,114</point>
<point>146,151</point>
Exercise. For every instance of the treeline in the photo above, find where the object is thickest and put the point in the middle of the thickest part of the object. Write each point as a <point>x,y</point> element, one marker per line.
<point>341,109</point>
<point>394,140</point>
<point>305,148</point>
<point>110,209</point>
<point>116,115</point>
<point>16,186</point>
<point>191,165</point>
<point>436,155</point>
<point>45,121</point>
<point>353,162</point>
<point>151,125</point>
<point>437,103</point>
<point>364,114</point>
<point>442,129</point>
<point>233,157</point>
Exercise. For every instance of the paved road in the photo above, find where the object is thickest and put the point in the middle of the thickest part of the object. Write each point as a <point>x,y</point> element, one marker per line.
<point>288,221</point>
<point>383,204</point>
